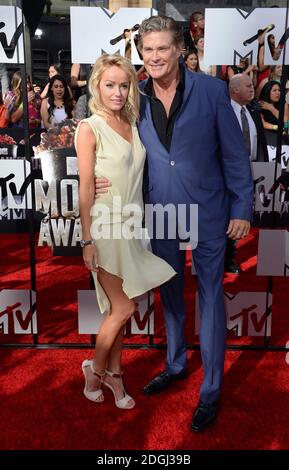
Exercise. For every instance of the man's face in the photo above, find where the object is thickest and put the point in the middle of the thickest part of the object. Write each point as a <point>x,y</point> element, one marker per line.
<point>160,55</point>
<point>245,90</point>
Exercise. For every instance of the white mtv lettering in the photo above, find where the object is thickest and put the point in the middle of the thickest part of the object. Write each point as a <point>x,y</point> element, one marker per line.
<point>247,314</point>
<point>61,230</point>
<point>46,198</point>
<point>10,214</point>
<point>57,232</point>
<point>44,235</point>
<point>17,314</point>
<point>99,26</point>
<point>77,232</point>
<point>71,166</point>
<point>64,187</point>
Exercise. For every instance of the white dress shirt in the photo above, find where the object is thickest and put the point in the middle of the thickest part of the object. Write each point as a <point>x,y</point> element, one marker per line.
<point>253,131</point>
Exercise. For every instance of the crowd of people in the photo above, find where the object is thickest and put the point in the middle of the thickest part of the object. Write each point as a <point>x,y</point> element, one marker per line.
<point>44,113</point>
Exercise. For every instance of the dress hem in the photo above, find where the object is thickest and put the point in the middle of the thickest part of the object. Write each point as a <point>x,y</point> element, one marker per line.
<point>136,294</point>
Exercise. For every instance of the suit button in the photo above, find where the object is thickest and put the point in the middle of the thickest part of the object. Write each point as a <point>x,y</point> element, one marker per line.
<point>172,162</point>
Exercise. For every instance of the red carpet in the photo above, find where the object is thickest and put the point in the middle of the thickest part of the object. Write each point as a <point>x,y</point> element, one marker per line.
<point>42,406</point>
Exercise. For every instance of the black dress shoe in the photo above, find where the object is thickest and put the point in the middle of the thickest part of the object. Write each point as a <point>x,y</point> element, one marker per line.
<point>163,381</point>
<point>233,268</point>
<point>204,415</point>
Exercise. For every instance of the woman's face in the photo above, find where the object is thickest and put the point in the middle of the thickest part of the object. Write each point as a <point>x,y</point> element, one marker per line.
<point>52,71</point>
<point>58,89</point>
<point>275,93</point>
<point>114,88</point>
<point>200,45</point>
<point>28,86</point>
<point>243,64</point>
<point>271,39</point>
<point>278,71</point>
<point>192,62</point>
<point>200,22</point>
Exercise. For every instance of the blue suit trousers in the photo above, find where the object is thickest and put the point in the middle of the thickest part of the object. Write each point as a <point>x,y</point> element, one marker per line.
<point>208,259</point>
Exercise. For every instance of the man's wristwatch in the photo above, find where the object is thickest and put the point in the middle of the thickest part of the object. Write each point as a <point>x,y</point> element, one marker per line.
<point>84,243</point>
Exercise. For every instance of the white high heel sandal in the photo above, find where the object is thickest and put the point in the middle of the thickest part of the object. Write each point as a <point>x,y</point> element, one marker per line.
<point>96,395</point>
<point>125,403</point>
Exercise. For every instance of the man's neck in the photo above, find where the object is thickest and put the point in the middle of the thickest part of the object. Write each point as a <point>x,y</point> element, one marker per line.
<point>167,84</point>
<point>240,103</point>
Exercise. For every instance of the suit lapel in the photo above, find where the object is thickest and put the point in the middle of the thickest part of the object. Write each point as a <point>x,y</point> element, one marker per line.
<point>189,84</point>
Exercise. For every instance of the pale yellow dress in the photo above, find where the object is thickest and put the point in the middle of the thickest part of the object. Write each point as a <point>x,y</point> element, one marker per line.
<point>120,254</point>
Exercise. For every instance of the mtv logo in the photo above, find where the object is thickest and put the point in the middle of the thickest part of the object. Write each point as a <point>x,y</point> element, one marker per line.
<point>90,318</point>
<point>96,30</point>
<point>246,313</point>
<point>10,214</point>
<point>273,253</point>
<point>142,321</point>
<point>284,155</point>
<point>15,188</point>
<point>240,40</point>
<point>265,186</point>
<point>18,312</point>
<point>11,35</point>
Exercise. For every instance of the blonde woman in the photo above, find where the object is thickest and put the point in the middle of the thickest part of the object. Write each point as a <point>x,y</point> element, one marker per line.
<point>13,102</point>
<point>108,145</point>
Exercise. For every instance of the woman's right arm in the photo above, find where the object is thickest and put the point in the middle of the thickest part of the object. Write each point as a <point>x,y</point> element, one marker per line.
<point>74,74</point>
<point>17,115</point>
<point>86,148</point>
<point>267,125</point>
<point>45,91</point>
<point>44,113</point>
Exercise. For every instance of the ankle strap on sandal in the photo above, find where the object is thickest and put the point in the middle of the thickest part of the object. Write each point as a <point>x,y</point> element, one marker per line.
<point>114,374</point>
<point>99,373</point>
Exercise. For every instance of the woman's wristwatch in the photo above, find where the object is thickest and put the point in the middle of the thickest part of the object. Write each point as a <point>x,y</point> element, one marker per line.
<point>84,243</point>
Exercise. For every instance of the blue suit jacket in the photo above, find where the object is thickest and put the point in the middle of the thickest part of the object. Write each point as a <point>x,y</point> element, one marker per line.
<point>207,163</point>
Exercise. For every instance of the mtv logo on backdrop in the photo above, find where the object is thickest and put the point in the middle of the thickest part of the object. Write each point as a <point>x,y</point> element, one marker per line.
<point>18,312</point>
<point>246,314</point>
<point>97,30</point>
<point>11,35</point>
<point>15,189</point>
<point>284,155</point>
<point>90,318</point>
<point>265,186</point>
<point>273,253</point>
<point>239,35</point>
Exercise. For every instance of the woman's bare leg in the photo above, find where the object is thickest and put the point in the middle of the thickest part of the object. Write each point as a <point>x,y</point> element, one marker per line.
<point>114,358</point>
<point>109,339</point>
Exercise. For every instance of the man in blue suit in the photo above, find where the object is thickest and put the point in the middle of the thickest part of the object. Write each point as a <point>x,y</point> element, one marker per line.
<point>195,155</point>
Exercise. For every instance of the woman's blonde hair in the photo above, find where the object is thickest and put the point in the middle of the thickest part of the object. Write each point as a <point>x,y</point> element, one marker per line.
<point>16,86</point>
<point>131,108</point>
